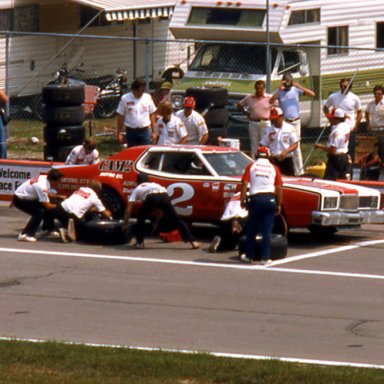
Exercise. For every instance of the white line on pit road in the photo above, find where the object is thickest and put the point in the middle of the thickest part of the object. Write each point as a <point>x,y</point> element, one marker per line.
<point>270,268</point>
<point>218,354</point>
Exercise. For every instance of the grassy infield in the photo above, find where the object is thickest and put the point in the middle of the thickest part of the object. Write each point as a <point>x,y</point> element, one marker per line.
<point>22,362</point>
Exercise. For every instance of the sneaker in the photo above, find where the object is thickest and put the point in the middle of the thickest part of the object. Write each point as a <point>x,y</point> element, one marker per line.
<point>195,244</point>
<point>64,235</point>
<point>71,230</point>
<point>214,246</point>
<point>25,237</point>
<point>266,262</point>
<point>245,259</point>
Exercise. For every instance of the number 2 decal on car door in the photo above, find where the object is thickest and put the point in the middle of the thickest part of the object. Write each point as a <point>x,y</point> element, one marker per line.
<point>187,193</point>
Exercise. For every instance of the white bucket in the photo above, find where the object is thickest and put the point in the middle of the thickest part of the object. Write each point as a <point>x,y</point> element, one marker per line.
<point>232,143</point>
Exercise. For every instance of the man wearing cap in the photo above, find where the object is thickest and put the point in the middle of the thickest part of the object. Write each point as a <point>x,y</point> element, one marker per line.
<point>194,123</point>
<point>265,190</point>
<point>136,111</point>
<point>169,128</point>
<point>256,107</point>
<point>288,95</point>
<point>282,141</point>
<point>154,198</point>
<point>339,163</point>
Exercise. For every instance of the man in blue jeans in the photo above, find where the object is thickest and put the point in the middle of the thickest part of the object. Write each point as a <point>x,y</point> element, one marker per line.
<point>265,189</point>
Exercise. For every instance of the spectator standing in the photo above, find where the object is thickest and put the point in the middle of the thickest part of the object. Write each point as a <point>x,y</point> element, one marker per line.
<point>265,190</point>
<point>348,102</point>
<point>374,114</point>
<point>282,141</point>
<point>256,107</point>
<point>154,198</point>
<point>169,128</point>
<point>84,154</point>
<point>3,136</point>
<point>136,112</point>
<point>288,95</point>
<point>339,163</point>
<point>194,123</point>
<point>33,198</point>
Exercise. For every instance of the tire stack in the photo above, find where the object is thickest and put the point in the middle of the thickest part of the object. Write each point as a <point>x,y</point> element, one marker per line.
<point>211,103</point>
<point>63,113</point>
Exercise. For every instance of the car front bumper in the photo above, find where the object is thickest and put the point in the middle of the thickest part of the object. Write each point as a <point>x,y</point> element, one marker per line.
<point>347,218</point>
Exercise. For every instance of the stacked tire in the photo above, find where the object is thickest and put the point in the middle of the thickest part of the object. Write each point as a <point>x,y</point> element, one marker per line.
<point>212,102</point>
<point>63,114</point>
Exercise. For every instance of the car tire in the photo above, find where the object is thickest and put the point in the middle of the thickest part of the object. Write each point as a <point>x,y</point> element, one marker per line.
<point>208,97</point>
<point>62,96</point>
<point>279,247</point>
<point>215,133</point>
<point>64,135</point>
<point>113,202</point>
<point>63,115</point>
<point>103,232</point>
<point>57,153</point>
<point>216,117</point>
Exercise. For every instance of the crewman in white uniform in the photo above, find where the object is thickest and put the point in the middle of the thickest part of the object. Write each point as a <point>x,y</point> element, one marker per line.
<point>84,154</point>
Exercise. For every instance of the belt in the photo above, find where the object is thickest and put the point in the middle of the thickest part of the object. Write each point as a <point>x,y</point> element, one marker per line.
<point>258,120</point>
<point>292,120</point>
<point>262,193</point>
<point>136,129</point>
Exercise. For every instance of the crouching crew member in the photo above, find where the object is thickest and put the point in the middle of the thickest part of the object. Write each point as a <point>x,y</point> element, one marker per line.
<point>339,162</point>
<point>265,189</point>
<point>154,197</point>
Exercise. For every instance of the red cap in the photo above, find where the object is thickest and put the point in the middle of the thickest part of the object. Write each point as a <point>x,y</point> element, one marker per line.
<point>263,152</point>
<point>275,113</point>
<point>189,102</point>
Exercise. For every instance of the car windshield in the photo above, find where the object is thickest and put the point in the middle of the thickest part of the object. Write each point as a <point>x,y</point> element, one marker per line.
<point>248,59</point>
<point>228,163</point>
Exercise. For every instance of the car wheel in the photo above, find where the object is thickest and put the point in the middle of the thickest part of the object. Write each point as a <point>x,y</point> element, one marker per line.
<point>61,96</point>
<point>279,246</point>
<point>216,117</point>
<point>113,202</point>
<point>103,232</point>
<point>208,97</point>
<point>64,135</point>
<point>63,115</point>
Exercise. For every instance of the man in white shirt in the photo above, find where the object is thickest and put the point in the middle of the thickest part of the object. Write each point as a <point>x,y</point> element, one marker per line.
<point>169,128</point>
<point>154,198</point>
<point>84,154</point>
<point>348,102</point>
<point>136,111</point>
<point>374,114</point>
<point>194,123</point>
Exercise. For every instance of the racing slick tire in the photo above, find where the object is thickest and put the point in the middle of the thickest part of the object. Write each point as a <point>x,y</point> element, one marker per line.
<point>63,115</point>
<point>208,97</point>
<point>64,135</point>
<point>113,202</point>
<point>103,232</point>
<point>279,247</point>
<point>57,153</point>
<point>61,96</point>
<point>216,117</point>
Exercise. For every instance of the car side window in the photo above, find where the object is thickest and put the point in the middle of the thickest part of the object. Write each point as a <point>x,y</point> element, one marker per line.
<point>153,161</point>
<point>176,162</point>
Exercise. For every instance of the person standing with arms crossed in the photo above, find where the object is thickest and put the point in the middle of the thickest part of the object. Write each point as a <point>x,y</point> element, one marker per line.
<point>288,95</point>
<point>374,114</point>
<point>256,107</point>
<point>136,111</point>
<point>265,191</point>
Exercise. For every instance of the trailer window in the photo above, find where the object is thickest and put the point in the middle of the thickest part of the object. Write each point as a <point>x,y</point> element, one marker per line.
<point>305,16</point>
<point>379,35</point>
<point>21,19</point>
<point>232,17</point>
<point>290,62</point>
<point>338,38</point>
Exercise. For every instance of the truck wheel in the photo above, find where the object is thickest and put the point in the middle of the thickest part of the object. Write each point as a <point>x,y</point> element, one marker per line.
<point>208,97</point>
<point>61,96</point>
<point>216,117</point>
<point>57,153</point>
<point>63,115</point>
<point>64,135</point>
<point>279,246</point>
<point>113,202</point>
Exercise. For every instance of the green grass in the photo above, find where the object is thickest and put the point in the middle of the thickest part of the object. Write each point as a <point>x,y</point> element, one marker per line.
<point>47,363</point>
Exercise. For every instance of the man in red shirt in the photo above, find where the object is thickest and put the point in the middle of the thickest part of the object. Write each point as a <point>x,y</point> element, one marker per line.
<point>263,204</point>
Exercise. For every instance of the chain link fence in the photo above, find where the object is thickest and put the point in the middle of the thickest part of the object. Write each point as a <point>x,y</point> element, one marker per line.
<point>30,61</point>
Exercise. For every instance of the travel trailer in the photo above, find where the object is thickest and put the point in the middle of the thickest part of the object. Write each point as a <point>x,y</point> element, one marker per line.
<point>306,37</point>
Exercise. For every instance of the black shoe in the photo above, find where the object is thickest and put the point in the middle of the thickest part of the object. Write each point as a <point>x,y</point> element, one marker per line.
<point>215,243</point>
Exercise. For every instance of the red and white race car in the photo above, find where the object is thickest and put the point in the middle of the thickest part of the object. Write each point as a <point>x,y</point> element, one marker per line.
<point>201,180</point>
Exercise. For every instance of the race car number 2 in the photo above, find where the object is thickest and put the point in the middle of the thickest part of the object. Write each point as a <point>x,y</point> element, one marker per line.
<point>181,193</point>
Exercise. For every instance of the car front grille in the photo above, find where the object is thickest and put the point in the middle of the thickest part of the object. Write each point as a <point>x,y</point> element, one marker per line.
<point>349,203</point>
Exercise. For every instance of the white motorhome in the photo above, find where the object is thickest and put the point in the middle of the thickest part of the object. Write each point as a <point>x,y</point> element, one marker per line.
<point>295,30</point>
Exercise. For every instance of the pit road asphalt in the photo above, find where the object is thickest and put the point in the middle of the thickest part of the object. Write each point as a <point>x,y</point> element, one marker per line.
<point>324,302</point>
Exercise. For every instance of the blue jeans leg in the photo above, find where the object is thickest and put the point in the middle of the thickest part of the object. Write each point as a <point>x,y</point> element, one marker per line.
<point>141,137</point>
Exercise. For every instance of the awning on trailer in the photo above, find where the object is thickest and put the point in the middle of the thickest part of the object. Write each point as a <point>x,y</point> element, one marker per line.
<point>119,10</point>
